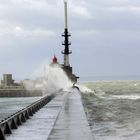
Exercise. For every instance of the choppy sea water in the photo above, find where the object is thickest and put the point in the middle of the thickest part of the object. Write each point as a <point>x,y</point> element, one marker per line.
<point>113,109</point>
<point>8,106</point>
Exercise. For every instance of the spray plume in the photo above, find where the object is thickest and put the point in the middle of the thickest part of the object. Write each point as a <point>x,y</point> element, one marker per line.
<point>50,80</point>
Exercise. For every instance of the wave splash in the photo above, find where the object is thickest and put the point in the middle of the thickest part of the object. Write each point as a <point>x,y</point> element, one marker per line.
<point>85,89</point>
<point>50,80</point>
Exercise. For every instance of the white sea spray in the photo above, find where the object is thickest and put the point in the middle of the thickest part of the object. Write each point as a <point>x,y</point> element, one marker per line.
<point>49,79</point>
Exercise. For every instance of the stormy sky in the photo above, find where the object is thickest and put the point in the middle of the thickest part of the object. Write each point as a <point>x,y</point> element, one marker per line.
<point>105,36</point>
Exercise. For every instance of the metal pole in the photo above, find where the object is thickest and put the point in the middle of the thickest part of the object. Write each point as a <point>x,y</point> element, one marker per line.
<point>66,14</point>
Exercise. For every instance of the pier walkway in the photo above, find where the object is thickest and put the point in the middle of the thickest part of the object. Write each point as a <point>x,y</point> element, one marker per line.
<point>63,118</point>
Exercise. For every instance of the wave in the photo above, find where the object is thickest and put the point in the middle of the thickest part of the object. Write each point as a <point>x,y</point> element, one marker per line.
<point>133,97</point>
<point>113,109</point>
<point>103,94</point>
<point>85,89</point>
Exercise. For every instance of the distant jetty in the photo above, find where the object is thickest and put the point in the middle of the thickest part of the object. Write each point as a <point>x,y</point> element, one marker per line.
<point>19,93</point>
<point>8,88</point>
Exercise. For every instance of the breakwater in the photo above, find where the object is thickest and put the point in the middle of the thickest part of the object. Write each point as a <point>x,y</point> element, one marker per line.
<point>20,93</point>
<point>19,117</point>
<point>63,116</point>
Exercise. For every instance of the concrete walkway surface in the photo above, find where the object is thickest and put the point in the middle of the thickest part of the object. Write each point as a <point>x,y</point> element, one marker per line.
<point>72,122</point>
<point>61,119</point>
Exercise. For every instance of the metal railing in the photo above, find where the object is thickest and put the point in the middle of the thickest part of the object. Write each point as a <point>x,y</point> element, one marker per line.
<point>18,118</point>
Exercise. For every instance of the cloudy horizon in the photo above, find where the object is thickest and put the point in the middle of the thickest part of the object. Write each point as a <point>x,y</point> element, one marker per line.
<point>105,36</point>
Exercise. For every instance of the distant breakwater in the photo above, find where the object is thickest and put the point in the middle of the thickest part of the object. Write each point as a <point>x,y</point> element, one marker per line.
<point>19,93</point>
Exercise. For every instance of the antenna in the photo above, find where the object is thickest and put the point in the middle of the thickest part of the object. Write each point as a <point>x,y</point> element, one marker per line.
<point>66,14</point>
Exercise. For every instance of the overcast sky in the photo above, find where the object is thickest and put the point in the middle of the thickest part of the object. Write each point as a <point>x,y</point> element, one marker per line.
<point>105,36</point>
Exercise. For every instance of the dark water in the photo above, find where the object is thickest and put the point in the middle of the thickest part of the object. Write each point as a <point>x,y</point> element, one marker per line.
<point>9,106</point>
<point>114,109</point>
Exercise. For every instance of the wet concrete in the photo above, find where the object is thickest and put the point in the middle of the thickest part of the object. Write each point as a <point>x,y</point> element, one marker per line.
<point>41,124</point>
<point>63,118</point>
<point>71,123</point>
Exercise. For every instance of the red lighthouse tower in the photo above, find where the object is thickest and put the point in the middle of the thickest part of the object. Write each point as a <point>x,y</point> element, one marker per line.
<point>54,60</point>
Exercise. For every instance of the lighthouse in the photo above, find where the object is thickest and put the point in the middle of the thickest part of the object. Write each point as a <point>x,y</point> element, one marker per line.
<point>66,36</point>
<point>66,52</point>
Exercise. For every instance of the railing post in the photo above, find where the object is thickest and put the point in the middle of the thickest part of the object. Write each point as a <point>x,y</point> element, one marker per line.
<point>14,124</point>
<point>2,137</point>
<point>30,112</point>
<point>23,119</point>
<point>26,114</point>
<point>19,120</point>
<point>7,129</point>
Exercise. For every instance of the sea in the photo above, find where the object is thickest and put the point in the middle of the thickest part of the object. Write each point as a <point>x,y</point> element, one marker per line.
<point>112,107</point>
<point>8,105</point>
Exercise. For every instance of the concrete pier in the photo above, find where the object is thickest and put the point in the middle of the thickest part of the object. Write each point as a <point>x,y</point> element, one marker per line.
<point>63,118</point>
<point>71,123</point>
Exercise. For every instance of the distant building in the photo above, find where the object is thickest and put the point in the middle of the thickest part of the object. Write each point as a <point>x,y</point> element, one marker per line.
<point>7,80</point>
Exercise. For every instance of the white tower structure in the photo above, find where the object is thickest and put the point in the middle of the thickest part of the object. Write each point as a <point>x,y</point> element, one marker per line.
<point>66,36</point>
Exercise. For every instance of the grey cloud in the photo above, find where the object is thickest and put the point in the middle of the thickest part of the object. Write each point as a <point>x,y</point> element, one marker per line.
<point>32,15</point>
<point>105,34</point>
